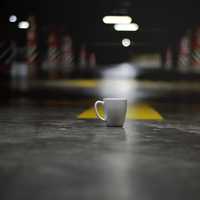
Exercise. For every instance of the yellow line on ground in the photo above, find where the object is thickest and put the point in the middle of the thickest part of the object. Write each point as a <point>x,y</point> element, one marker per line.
<point>143,84</point>
<point>81,83</point>
<point>135,112</point>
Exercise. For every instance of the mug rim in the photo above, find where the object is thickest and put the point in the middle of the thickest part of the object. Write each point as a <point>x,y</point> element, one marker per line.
<point>115,98</point>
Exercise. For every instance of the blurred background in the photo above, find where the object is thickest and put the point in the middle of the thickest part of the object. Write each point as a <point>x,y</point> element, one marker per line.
<point>77,39</point>
<point>64,45</point>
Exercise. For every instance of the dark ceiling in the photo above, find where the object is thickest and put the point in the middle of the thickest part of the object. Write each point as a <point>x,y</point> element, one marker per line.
<point>161,24</point>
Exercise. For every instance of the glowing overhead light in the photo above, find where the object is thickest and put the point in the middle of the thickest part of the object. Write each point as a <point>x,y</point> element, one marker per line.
<point>126,42</point>
<point>13,18</point>
<point>23,25</point>
<point>126,27</point>
<point>117,20</point>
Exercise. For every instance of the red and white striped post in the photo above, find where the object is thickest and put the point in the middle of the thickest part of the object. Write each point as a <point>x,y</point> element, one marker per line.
<point>83,58</point>
<point>92,60</point>
<point>184,55</point>
<point>53,57</point>
<point>32,48</point>
<point>67,57</point>
<point>196,50</point>
<point>168,59</point>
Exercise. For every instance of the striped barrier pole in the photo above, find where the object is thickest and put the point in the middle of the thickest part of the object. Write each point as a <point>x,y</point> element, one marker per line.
<point>184,55</point>
<point>168,59</point>
<point>67,58</point>
<point>32,48</point>
<point>196,50</point>
<point>92,60</point>
<point>53,57</point>
<point>83,58</point>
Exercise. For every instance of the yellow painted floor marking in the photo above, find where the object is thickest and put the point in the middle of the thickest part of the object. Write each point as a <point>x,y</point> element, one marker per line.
<point>78,83</point>
<point>143,112</point>
<point>135,112</point>
<point>81,83</point>
<point>94,83</point>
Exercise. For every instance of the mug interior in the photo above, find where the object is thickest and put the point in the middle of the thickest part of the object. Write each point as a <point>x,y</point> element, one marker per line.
<point>114,99</point>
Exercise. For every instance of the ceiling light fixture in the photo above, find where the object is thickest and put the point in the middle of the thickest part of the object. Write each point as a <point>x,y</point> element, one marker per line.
<point>126,27</point>
<point>23,25</point>
<point>12,18</point>
<point>126,42</point>
<point>117,20</point>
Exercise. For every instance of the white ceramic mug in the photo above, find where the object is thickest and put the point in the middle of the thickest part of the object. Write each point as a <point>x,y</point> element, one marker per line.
<point>114,109</point>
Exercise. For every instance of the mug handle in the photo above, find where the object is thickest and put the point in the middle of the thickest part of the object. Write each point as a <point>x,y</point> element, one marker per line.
<point>96,109</point>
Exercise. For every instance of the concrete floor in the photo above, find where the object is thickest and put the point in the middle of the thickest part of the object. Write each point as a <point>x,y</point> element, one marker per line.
<point>47,153</point>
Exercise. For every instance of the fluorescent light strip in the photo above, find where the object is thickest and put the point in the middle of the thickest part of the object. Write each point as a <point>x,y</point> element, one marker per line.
<point>23,25</point>
<point>126,27</point>
<point>117,20</point>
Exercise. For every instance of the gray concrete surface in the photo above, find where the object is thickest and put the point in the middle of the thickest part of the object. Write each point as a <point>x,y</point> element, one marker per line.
<point>46,153</point>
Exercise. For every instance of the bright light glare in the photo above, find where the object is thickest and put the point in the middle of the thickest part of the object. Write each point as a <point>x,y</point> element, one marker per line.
<point>126,42</point>
<point>117,20</point>
<point>123,70</point>
<point>23,25</point>
<point>118,81</point>
<point>13,18</point>
<point>126,27</point>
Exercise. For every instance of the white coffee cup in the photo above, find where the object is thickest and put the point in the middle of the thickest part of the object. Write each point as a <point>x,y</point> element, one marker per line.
<point>115,111</point>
